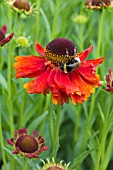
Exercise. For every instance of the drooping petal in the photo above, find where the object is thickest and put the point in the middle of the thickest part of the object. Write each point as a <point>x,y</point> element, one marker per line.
<point>41,81</point>
<point>35,133</point>
<point>4,29</point>
<point>63,97</point>
<point>60,97</point>
<point>16,151</point>
<point>85,88</point>
<point>6,39</point>
<point>85,53</point>
<point>32,155</point>
<point>88,70</point>
<point>23,131</point>
<point>57,94</point>
<point>95,62</point>
<point>77,98</point>
<point>11,142</point>
<point>39,49</point>
<point>30,87</point>
<point>51,82</point>
<point>46,91</point>
<point>16,134</point>
<point>24,68</point>
<point>64,83</point>
<point>54,99</point>
<point>93,79</point>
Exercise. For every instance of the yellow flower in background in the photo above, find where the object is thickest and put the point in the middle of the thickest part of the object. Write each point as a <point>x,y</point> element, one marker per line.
<point>80,19</point>
<point>52,165</point>
<point>23,41</point>
<point>23,7</point>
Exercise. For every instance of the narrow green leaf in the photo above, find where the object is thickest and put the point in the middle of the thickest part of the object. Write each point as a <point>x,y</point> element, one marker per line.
<point>3,81</point>
<point>12,155</point>
<point>35,123</point>
<point>51,122</point>
<point>101,113</point>
<point>46,23</point>
<point>80,158</point>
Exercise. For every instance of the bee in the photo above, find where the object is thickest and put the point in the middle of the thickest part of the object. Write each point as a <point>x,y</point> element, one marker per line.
<point>72,64</point>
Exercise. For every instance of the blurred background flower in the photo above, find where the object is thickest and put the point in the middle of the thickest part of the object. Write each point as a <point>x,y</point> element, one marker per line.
<point>52,165</point>
<point>4,38</point>
<point>23,7</point>
<point>80,19</point>
<point>27,145</point>
<point>109,80</point>
<point>98,4</point>
<point>23,41</point>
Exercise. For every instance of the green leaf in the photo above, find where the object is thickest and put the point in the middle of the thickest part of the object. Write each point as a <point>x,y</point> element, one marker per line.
<point>46,23</point>
<point>3,81</point>
<point>51,123</point>
<point>12,155</point>
<point>101,113</point>
<point>80,158</point>
<point>36,122</point>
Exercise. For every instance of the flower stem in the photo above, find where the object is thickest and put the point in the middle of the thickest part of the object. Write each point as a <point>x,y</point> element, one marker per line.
<point>57,129</point>
<point>88,123</point>
<point>24,164</point>
<point>58,121</point>
<point>1,61</point>
<point>9,93</point>
<point>22,111</point>
<point>9,82</point>
<point>47,103</point>
<point>100,28</point>
<point>2,143</point>
<point>56,135</point>
<point>106,158</point>
<point>102,144</point>
<point>76,128</point>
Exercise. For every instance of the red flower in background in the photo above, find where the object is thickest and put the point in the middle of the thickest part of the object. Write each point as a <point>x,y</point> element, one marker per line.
<point>109,80</point>
<point>3,38</point>
<point>27,145</point>
<point>60,70</point>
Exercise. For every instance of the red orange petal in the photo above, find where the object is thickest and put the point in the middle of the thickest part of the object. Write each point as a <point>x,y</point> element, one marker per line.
<point>88,71</point>
<point>54,100</point>
<point>61,98</point>
<point>30,87</point>
<point>64,83</point>
<point>85,53</point>
<point>85,88</point>
<point>39,49</point>
<point>41,81</point>
<point>51,82</point>
<point>24,68</point>
<point>95,62</point>
<point>77,98</point>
